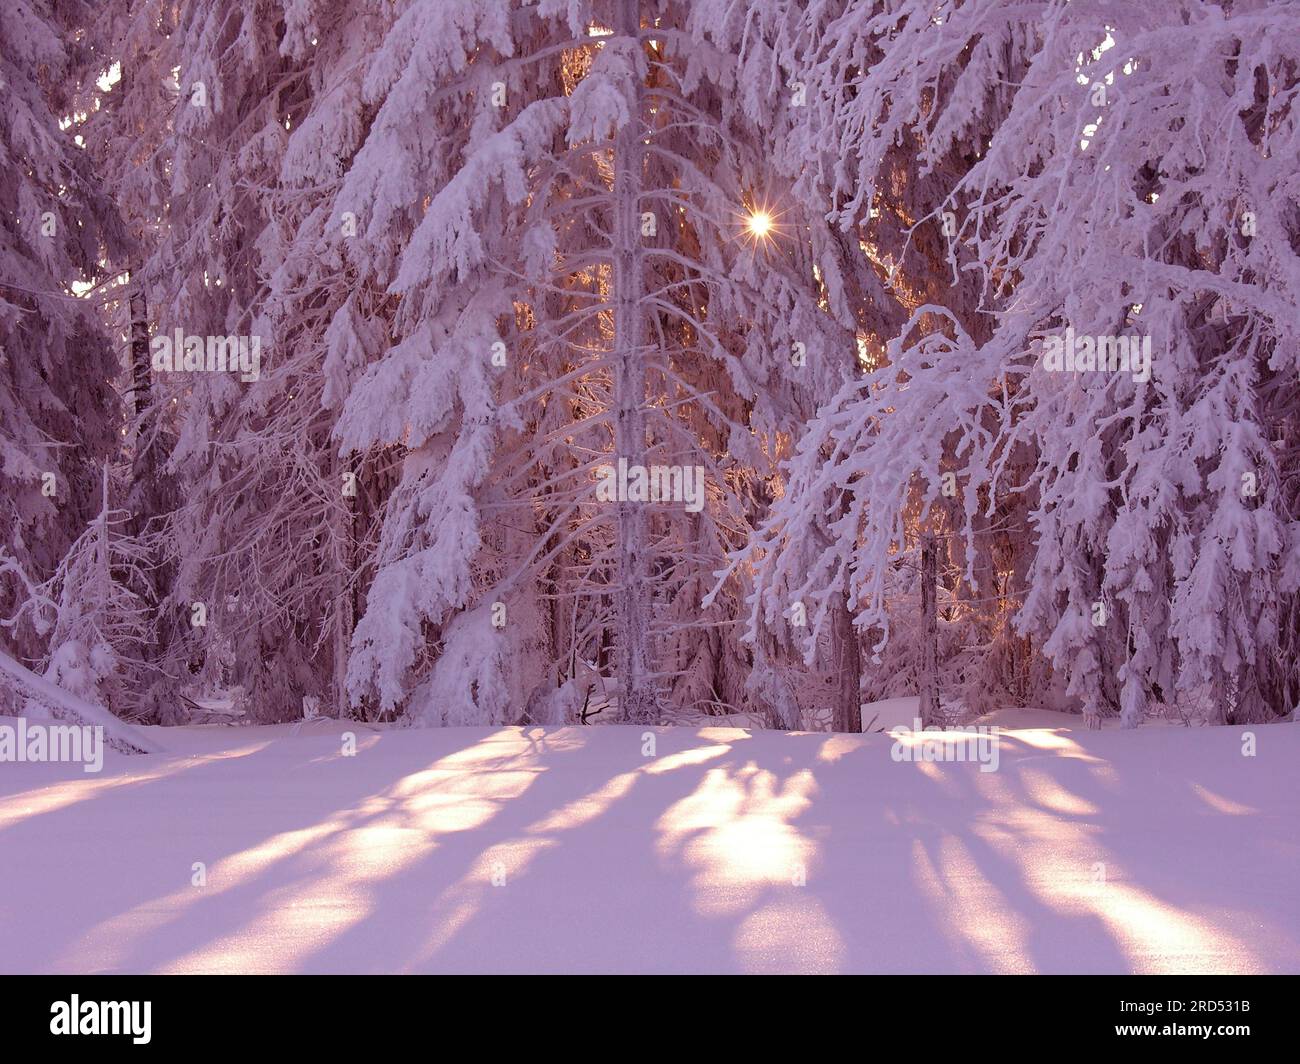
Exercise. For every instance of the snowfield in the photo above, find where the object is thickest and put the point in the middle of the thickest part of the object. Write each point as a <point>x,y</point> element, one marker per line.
<point>727,850</point>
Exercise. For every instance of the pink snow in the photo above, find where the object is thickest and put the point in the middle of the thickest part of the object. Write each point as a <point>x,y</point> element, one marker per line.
<point>727,850</point>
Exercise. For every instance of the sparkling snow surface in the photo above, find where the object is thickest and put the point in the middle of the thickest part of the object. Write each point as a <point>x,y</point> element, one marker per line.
<point>568,850</point>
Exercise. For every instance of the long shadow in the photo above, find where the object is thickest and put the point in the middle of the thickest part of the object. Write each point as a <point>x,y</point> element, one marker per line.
<point>957,903</point>
<point>146,851</point>
<point>1128,888</point>
<point>1058,915</point>
<point>551,911</point>
<point>375,829</point>
<point>464,850</point>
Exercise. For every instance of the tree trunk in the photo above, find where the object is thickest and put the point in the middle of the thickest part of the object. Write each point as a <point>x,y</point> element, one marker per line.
<point>145,460</point>
<point>341,589</point>
<point>639,701</point>
<point>929,630</point>
<point>149,496</point>
<point>847,715</point>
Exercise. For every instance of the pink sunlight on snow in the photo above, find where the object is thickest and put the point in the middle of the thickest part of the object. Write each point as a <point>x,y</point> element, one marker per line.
<point>568,850</point>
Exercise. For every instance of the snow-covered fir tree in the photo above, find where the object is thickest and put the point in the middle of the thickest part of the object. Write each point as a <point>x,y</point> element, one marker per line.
<point>58,410</point>
<point>1124,174</point>
<point>583,285</point>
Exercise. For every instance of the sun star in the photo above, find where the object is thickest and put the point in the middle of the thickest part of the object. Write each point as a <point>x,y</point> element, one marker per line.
<point>760,224</point>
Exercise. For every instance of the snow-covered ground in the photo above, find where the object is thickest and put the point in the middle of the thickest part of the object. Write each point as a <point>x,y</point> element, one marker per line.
<point>571,850</point>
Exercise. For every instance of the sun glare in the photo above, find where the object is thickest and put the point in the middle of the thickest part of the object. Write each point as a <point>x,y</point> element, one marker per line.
<point>760,225</point>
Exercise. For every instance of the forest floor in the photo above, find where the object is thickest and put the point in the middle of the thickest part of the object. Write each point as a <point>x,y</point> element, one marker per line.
<point>574,850</point>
